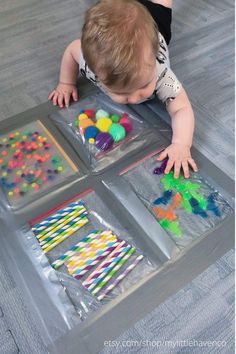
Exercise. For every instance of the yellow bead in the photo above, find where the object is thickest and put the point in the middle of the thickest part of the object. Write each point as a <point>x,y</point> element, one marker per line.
<point>91,141</point>
<point>10,194</point>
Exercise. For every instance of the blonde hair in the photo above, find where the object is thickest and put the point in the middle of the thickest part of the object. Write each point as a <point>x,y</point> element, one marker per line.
<point>113,37</point>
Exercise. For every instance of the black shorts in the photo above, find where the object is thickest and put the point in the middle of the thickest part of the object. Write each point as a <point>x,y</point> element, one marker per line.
<point>162,16</point>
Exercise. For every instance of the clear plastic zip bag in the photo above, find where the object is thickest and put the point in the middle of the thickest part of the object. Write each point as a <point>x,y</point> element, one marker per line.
<point>106,131</point>
<point>97,259</point>
<point>32,162</point>
<point>185,208</point>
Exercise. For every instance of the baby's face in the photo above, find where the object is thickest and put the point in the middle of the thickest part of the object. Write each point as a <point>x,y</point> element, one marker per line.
<point>143,90</point>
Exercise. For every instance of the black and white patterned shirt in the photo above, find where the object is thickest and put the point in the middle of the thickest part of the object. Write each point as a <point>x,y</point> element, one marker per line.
<point>167,84</point>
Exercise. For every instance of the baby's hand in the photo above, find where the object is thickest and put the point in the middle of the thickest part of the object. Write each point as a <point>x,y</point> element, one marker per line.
<point>62,93</point>
<point>179,156</point>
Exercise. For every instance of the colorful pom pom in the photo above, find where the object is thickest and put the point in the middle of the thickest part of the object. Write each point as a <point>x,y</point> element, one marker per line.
<point>104,141</point>
<point>90,113</point>
<point>104,124</point>
<point>82,116</point>
<point>127,124</point>
<point>91,132</point>
<point>115,118</point>
<point>117,132</point>
<point>83,124</point>
<point>101,114</point>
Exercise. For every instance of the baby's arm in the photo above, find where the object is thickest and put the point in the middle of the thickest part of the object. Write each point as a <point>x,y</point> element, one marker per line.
<point>68,75</point>
<point>178,152</point>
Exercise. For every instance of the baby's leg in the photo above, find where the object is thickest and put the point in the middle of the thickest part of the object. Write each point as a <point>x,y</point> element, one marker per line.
<point>166,3</point>
<point>161,12</point>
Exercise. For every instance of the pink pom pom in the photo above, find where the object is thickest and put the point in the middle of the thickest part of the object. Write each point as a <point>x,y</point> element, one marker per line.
<point>127,124</point>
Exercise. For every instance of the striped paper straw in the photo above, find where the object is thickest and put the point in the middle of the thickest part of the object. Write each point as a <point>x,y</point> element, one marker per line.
<point>113,272</point>
<point>55,217</point>
<point>89,263</point>
<point>120,277</point>
<point>50,238</point>
<point>84,243</point>
<point>63,221</point>
<point>64,235</point>
<point>93,275</point>
<point>76,266</point>
<point>61,233</point>
<point>87,268</point>
<point>100,244</point>
<point>108,265</point>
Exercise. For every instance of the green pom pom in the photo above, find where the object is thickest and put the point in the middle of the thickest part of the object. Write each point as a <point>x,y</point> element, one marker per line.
<point>101,114</point>
<point>117,132</point>
<point>115,118</point>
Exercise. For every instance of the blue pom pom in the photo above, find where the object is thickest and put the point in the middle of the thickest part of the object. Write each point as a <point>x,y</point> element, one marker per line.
<point>91,132</point>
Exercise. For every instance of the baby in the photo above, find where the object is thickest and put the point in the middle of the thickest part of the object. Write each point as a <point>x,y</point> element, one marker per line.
<point>123,50</point>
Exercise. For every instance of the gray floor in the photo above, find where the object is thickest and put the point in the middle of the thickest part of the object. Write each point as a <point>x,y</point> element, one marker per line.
<point>33,35</point>
<point>201,311</point>
<point>18,332</point>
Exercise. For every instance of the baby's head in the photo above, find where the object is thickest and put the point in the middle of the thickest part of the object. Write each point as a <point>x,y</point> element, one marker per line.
<point>119,44</point>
